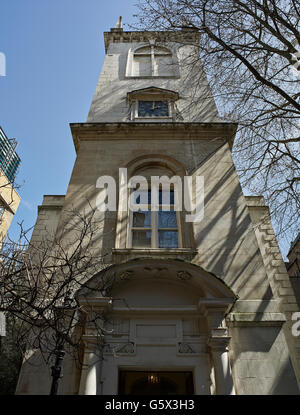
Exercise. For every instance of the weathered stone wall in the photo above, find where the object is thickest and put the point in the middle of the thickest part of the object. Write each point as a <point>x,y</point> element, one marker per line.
<point>109,102</point>
<point>277,275</point>
<point>47,219</point>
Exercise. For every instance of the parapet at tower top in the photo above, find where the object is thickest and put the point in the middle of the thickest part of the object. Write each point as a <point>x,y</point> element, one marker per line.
<point>187,35</point>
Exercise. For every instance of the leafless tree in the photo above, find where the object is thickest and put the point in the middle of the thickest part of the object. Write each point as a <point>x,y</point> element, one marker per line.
<point>39,282</point>
<point>250,52</point>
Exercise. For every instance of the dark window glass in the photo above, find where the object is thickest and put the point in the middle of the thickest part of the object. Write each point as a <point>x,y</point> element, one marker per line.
<point>153,109</point>
<point>166,195</point>
<point>167,219</point>
<point>142,219</point>
<point>168,239</point>
<point>138,200</point>
<point>165,224</point>
<point>141,239</point>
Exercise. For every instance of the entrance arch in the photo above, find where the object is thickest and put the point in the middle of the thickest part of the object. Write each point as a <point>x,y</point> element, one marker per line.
<point>164,315</point>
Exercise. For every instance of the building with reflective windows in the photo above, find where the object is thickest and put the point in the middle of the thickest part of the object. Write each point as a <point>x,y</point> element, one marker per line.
<point>9,198</point>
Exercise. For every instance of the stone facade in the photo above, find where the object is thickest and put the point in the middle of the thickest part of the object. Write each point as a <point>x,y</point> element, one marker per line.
<point>218,306</point>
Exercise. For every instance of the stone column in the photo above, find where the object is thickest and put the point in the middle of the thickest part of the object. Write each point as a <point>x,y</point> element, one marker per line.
<point>218,340</point>
<point>93,339</point>
<point>223,377</point>
<point>91,368</point>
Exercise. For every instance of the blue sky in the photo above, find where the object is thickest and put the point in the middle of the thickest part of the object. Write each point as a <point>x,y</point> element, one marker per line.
<point>54,52</point>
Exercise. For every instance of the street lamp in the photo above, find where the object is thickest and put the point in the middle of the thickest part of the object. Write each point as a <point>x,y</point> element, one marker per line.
<point>56,369</point>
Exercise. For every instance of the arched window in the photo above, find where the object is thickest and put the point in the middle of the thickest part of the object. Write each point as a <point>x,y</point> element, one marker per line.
<point>162,228</point>
<point>152,60</point>
<point>149,226</point>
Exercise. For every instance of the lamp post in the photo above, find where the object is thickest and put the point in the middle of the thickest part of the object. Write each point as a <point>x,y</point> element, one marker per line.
<point>56,369</point>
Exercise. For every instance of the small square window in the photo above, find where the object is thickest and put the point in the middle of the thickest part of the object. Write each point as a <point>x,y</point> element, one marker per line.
<point>153,109</point>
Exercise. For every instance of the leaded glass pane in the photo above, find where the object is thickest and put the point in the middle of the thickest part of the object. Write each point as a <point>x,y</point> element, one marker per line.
<point>167,219</point>
<point>143,197</point>
<point>142,219</point>
<point>166,197</point>
<point>141,239</point>
<point>142,66</point>
<point>163,66</point>
<point>168,239</point>
<point>153,109</point>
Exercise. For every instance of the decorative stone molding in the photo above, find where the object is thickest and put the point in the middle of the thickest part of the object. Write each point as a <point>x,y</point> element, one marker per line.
<point>220,332</point>
<point>121,255</point>
<point>94,304</point>
<point>185,348</point>
<point>93,343</point>
<point>247,319</point>
<point>219,343</point>
<point>184,275</point>
<point>123,348</point>
<point>119,36</point>
<point>126,275</point>
<point>154,93</point>
<point>155,269</point>
<point>120,131</point>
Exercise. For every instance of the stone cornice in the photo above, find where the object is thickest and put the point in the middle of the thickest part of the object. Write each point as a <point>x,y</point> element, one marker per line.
<point>186,36</point>
<point>121,255</point>
<point>219,344</point>
<point>259,318</point>
<point>146,131</point>
<point>99,304</point>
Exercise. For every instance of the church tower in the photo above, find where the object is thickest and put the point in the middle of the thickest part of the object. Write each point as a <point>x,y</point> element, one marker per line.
<point>199,303</point>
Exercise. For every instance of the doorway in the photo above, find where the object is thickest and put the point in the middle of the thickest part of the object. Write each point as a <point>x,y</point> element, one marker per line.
<point>155,383</point>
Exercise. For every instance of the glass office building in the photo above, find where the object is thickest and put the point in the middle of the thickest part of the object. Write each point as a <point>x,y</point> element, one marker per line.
<point>9,159</point>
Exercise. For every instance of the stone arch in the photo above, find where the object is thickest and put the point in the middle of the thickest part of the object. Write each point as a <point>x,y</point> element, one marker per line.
<point>159,160</point>
<point>188,274</point>
<point>188,333</point>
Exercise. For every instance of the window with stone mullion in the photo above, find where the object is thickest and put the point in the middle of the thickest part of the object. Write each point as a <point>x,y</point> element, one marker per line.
<point>155,229</point>
<point>153,53</point>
